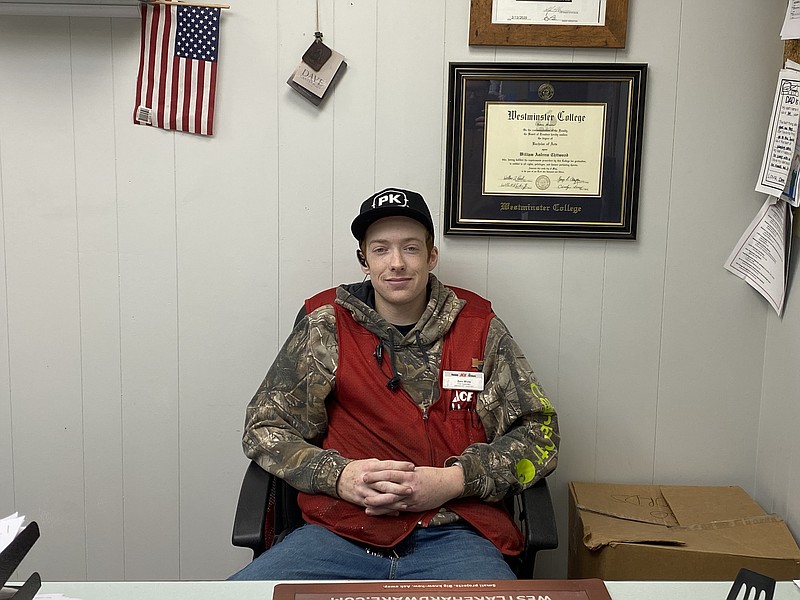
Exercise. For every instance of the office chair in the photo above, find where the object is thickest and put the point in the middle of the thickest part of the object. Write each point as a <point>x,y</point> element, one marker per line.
<point>267,511</point>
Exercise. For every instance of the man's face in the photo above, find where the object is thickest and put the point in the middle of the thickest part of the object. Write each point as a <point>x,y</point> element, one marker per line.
<point>398,264</point>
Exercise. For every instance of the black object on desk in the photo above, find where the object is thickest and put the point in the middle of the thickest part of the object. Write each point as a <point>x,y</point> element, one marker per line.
<point>10,559</point>
<point>752,581</point>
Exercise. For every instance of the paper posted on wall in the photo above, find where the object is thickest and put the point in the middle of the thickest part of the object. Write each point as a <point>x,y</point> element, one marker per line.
<point>761,257</point>
<point>791,22</point>
<point>780,165</point>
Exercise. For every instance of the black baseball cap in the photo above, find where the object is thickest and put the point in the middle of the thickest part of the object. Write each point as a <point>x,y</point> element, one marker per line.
<point>391,202</point>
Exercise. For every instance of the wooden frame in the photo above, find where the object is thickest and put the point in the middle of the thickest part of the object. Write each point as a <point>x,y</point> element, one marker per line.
<point>544,149</point>
<point>482,32</point>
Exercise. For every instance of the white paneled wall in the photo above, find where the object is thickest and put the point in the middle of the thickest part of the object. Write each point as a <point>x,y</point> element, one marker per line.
<point>777,479</point>
<point>148,278</point>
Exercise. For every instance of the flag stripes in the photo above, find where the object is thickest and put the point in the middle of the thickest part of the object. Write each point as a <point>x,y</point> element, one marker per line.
<point>176,83</point>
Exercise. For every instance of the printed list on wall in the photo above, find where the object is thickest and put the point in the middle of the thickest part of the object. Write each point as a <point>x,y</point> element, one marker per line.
<point>761,256</point>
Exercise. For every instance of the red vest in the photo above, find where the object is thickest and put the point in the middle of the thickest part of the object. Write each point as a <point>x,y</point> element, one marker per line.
<point>366,420</point>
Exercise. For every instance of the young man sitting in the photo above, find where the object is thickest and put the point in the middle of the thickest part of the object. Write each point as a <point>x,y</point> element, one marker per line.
<point>403,411</point>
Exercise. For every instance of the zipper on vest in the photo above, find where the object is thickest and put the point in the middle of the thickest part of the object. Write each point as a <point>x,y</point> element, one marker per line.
<point>431,449</point>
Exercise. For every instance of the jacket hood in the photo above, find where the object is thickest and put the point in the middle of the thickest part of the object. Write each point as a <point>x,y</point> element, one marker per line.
<point>440,312</point>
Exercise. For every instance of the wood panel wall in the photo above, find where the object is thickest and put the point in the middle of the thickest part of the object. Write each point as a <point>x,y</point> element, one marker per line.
<point>148,278</point>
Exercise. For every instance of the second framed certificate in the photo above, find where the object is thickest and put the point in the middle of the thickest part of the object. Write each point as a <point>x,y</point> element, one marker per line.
<point>544,150</point>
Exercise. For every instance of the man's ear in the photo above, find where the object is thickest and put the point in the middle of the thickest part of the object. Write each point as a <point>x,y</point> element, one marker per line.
<point>433,258</point>
<point>362,260</point>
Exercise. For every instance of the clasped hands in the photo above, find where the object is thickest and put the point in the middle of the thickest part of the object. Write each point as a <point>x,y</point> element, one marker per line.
<point>389,487</point>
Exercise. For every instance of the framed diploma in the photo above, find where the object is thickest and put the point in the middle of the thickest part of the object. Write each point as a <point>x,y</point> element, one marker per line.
<point>551,150</point>
<point>569,23</point>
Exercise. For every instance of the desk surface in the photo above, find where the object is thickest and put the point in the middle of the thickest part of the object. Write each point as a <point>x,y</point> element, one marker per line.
<point>262,590</point>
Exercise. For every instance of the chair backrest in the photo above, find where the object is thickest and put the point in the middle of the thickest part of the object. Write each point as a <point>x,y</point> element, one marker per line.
<point>288,516</point>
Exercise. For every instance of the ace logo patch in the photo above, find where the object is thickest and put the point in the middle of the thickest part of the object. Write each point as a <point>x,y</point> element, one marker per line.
<point>462,400</point>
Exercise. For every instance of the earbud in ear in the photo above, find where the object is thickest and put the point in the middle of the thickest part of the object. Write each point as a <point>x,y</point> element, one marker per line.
<point>362,260</point>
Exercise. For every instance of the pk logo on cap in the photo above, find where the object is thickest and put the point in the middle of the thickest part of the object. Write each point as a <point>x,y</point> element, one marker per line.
<point>390,198</point>
<point>391,202</point>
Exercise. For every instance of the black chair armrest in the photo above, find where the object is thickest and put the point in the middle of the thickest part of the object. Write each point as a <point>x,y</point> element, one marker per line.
<point>534,510</point>
<point>540,517</point>
<point>250,520</point>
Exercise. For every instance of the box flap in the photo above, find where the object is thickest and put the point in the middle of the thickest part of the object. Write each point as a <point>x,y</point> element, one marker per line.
<point>602,530</point>
<point>613,513</point>
<point>762,540</point>
<point>694,505</point>
<point>642,503</point>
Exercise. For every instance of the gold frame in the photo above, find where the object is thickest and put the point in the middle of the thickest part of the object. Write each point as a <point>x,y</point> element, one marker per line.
<point>482,32</point>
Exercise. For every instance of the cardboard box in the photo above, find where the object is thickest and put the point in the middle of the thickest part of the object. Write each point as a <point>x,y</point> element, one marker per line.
<point>683,533</point>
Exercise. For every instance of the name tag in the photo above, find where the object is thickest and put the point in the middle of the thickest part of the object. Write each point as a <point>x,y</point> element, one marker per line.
<point>462,380</point>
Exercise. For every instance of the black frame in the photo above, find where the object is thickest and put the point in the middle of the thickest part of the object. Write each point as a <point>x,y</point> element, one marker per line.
<point>608,212</point>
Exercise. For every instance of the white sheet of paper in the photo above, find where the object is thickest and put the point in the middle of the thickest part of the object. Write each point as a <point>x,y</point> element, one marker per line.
<point>776,164</point>
<point>761,257</point>
<point>9,528</point>
<point>791,23</point>
<point>549,12</point>
<point>791,191</point>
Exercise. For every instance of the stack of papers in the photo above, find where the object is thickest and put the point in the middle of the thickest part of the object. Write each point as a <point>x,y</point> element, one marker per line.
<point>761,256</point>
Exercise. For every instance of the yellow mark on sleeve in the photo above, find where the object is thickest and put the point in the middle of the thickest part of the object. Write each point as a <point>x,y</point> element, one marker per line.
<point>525,471</point>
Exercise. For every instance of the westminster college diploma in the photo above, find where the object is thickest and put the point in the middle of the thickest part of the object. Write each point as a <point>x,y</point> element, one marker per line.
<point>544,149</point>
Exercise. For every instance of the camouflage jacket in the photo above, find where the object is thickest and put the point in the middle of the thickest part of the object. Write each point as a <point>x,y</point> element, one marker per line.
<point>287,414</point>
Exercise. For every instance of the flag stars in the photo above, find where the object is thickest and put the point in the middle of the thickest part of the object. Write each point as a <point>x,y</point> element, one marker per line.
<point>196,33</point>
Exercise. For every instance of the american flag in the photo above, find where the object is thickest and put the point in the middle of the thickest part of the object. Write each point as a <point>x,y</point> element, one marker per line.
<point>176,86</point>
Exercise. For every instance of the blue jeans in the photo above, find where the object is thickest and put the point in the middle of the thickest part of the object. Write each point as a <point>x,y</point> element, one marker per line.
<point>453,551</point>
